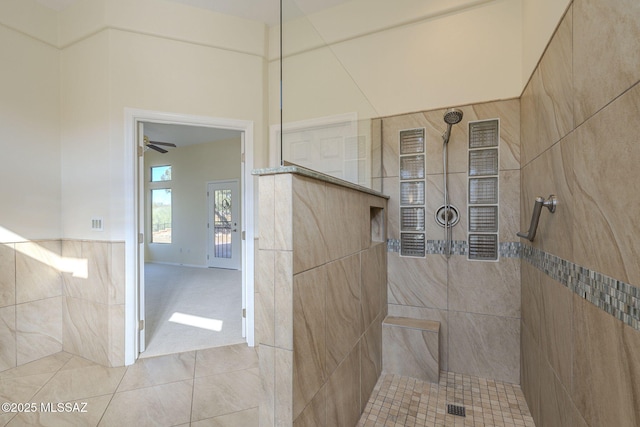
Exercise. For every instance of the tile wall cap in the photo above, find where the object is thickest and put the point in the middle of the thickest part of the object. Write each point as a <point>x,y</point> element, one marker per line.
<point>300,170</point>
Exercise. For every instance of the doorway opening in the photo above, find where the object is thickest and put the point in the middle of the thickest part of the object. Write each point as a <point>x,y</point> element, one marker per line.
<point>169,244</point>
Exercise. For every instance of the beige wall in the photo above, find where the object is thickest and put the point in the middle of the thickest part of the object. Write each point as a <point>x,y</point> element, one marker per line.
<point>580,124</point>
<point>192,167</point>
<point>30,138</point>
<point>395,59</point>
<point>128,69</point>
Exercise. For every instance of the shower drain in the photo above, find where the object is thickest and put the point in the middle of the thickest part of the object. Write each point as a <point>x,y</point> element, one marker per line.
<point>456,410</point>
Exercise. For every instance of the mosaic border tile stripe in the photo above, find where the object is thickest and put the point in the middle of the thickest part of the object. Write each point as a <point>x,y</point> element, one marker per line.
<point>459,247</point>
<point>619,299</point>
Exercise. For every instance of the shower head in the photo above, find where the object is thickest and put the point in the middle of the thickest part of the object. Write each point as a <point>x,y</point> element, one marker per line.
<point>452,116</point>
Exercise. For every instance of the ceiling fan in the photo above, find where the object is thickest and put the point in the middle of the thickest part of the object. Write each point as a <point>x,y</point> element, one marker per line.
<point>154,145</point>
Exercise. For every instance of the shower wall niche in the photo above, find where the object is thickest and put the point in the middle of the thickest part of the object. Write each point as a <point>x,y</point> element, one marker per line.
<point>476,303</point>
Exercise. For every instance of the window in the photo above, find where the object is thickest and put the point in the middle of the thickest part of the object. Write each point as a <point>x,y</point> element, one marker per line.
<point>160,173</point>
<point>161,215</point>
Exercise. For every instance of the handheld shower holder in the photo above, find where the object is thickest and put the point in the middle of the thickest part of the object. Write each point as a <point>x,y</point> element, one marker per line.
<point>550,204</point>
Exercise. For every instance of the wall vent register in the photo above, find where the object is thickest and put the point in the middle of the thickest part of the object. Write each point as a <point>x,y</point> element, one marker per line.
<point>412,192</point>
<point>483,200</point>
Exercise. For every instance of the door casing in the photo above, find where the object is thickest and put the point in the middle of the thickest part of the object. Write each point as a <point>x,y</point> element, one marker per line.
<point>132,213</point>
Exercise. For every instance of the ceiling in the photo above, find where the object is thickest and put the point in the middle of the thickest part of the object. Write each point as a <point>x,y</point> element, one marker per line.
<point>267,11</point>
<point>187,135</point>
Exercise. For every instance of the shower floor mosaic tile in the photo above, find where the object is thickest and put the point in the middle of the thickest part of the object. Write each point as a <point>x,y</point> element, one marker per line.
<point>400,401</point>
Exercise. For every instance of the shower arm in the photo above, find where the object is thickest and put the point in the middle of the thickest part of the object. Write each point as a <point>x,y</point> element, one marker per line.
<point>550,204</point>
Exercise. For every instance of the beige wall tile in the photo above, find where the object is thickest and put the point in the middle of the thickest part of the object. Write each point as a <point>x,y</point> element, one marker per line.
<point>8,337</point>
<point>283,212</point>
<point>530,372</point>
<point>265,297</point>
<point>86,329</point>
<point>343,328</point>
<point>266,362</point>
<point>531,300</point>
<point>509,210</point>
<point>418,282</point>
<point>546,107</point>
<point>604,367</point>
<point>309,224</point>
<point>485,287</point>
<point>607,32</point>
<point>7,275</point>
<point>96,285</point>
<point>391,188</point>
<point>37,273</point>
<point>266,213</point>
<point>371,346</point>
<point>315,414</point>
<point>116,335</point>
<point>551,173</point>
<point>373,273</point>
<point>606,154</point>
<point>284,386</point>
<point>485,346</point>
<point>343,392</point>
<point>309,336</point>
<point>556,328</point>
<point>347,222</point>
<point>556,408</point>
<point>38,329</point>
<point>284,300</point>
<point>117,273</point>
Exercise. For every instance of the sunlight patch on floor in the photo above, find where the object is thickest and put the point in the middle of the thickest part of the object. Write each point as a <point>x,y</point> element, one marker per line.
<point>197,321</point>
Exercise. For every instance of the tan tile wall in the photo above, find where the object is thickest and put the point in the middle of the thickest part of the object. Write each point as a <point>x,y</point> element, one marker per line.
<point>476,303</point>
<point>320,301</point>
<point>45,309</point>
<point>580,125</point>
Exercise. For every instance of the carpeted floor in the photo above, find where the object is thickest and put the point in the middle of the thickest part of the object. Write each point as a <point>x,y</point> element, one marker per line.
<point>208,297</point>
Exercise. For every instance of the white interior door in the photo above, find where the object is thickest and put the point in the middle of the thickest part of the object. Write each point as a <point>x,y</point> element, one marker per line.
<point>224,248</point>
<point>141,222</point>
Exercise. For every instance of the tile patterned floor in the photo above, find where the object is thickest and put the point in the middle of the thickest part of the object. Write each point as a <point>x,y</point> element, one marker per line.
<point>400,401</point>
<point>220,387</point>
<point>213,387</point>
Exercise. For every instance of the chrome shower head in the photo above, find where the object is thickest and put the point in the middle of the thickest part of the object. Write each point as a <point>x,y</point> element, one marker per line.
<point>452,116</point>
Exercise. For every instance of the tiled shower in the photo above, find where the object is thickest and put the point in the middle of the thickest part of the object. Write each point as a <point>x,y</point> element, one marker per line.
<point>559,315</point>
<point>476,302</point>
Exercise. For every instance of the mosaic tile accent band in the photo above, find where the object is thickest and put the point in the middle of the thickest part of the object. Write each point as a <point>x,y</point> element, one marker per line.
<point>617,298</point>
<point>458,247</point>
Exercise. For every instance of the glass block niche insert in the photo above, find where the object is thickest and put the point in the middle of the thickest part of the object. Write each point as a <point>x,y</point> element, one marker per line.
<point>483,195</point>
<point>412,173</point>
